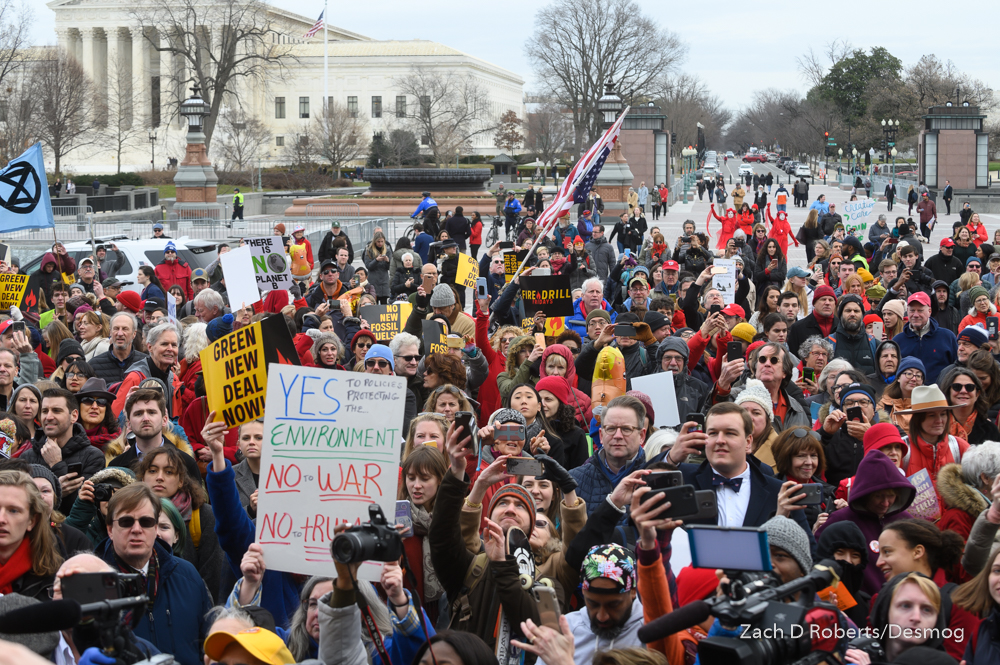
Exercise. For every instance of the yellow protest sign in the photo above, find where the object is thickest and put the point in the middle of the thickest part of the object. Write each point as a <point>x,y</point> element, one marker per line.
<point>235,369</point>
<point>12,290</point>
<point>386,321</point>
<point>468,271</point>
<point>435,337</point>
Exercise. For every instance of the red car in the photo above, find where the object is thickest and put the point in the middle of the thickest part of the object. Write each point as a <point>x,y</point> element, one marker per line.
<point>755,157</point>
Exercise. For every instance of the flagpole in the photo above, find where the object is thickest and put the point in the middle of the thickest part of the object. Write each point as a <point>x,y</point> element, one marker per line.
<point>326,60</point>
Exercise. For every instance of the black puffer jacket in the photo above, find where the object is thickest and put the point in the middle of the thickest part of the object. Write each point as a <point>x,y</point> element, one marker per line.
<point>76,450</point>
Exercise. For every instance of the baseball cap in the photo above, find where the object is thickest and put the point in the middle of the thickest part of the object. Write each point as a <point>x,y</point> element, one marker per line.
<point>151,304</point>
<point>612,562</point>
<point>157,226</point>
<point>638,278</point>
<point>111,283</point>
<point>329,263</point>
<point>199,273</point>
<point>671,265</point>
<point>947,242</point>
<point>260,643</point>
<point>734,310</point>
<point>299,228</point>
<point>87,259</point>
<point>335,224</point>
<point>920,298</point>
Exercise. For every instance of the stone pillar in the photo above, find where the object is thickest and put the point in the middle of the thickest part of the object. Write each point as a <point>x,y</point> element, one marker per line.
<point>87,61</point>
<point>140,77</point>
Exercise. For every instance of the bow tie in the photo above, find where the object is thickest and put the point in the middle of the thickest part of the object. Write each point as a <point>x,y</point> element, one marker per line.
<point>719,481</point>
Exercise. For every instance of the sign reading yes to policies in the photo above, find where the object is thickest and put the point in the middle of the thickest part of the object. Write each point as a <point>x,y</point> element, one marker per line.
<point>332,442</point>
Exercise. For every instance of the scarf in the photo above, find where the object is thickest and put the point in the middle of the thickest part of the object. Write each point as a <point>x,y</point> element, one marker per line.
<point>182,501</point>
<point>100,436</point>
<point>151,578</point>
<point>825,323</point>
<point>17,565</point>
<point>421,526</point>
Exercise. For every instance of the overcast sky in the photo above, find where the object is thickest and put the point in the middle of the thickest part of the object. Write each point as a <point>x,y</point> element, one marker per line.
<point>736,48</point>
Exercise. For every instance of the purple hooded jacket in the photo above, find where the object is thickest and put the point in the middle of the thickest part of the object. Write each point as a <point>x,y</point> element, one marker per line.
<point>875,472</point>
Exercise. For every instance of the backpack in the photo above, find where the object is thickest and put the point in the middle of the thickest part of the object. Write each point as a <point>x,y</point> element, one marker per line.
<point>461,611</point>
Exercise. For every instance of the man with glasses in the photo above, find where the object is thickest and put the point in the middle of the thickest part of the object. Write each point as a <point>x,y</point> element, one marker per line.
<point>815,353</point>
<point>772,367</point>
<point>746,496</point>
<point>622,435</point>
<point>888,272</point>
<point>174,622</point>
<point>842,435</point>
<point>87,275</point>
<point>378,360</point>
<point>924,338</point>
<point>146,411</point>
<point>329,287</point>
<point>638,292</point>
<point>945,265</point>
<point>158,232</point>
<point>672,356</point>
<point>62,441</point>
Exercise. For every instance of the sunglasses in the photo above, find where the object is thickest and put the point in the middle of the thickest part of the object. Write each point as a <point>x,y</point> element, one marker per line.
<point>773,360</point>
<point>963,387</point>
<point>410,359</point>
<point>364,344</point>
<point>509,432</point>
<point>330,271</point>
<point>99,401</point>
<point>379,362</point>
<point>128,522</point>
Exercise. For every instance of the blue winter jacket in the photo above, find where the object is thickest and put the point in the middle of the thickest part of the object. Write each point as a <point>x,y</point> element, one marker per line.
<point>279,591</point>
<point>578,321</point>
<point>422,245</point>
<point>595,480</point>
<point>938,348</point>
<point>176,624</point>
<point>424,205</point>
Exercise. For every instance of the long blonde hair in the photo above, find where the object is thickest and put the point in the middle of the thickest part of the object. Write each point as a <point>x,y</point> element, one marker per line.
<point>802,293</point>
<point>45,557</point>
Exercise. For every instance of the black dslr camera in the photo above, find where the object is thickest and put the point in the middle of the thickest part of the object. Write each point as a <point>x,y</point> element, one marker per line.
<point>103,492</point>
<point>377,540</point>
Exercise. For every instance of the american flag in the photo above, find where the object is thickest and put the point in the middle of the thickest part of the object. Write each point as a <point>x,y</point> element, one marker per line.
<point>577,185</point>
<point>317,26</point>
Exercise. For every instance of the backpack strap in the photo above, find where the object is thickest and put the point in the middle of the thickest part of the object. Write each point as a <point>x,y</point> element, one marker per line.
<point>461,610</point>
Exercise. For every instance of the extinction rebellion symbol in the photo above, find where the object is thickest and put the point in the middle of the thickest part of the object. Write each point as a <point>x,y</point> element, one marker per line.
<point>20,188</point>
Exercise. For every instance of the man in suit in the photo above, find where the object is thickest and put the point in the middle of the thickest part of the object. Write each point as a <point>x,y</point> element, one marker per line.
<point>947,195</point>
<point>890,194</point>
<point>746,496</point>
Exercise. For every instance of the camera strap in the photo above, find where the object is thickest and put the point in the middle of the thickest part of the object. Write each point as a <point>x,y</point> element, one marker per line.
<point>368,620</point>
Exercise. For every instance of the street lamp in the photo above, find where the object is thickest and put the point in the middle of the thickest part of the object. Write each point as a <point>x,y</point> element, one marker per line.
<point>889,128</point>
<point>152,151</point>
<point>609,105</point>
<point>854,151</point>
<point>840,156</point>
<point>195,109</point>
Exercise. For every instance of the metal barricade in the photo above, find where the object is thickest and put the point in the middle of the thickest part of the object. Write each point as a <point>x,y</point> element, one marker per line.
<point>333,209</point>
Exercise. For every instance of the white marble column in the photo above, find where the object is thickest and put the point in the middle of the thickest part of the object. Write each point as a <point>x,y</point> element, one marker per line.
<point>140,77</point>
<point>87,59</point>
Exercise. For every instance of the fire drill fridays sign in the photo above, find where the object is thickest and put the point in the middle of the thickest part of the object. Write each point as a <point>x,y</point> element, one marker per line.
<point>332,442</point>
<point>549,293</point>
<point>270,263</point>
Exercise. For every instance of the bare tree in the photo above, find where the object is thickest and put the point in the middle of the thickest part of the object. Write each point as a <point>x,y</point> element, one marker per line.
<point>218,46</point>
<point>814,67</point>
<point>66,104</point>
<point>240,141</point>
<point>580,45</point>
<point>18,118</point>
<point>124,123</point>
<point>507,135</point>
<point>339,136</point>
<point>449,113</point>
<point>550,133</point>
<point>15,37</point>
<point>686,100</point>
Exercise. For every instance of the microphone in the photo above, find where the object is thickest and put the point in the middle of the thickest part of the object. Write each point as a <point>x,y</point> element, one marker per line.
<point>678,620</point>
<point>41,618</point>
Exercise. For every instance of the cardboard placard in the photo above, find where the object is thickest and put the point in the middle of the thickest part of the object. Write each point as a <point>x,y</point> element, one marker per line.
<point>725,284</point>
<point>237,268</point>
<point>12,288</point>
<point>468,271</point>
<point>551,294</point>
<point>925,504</point>
<point>386,321</point>
<point>434,337</point>
<point>32,294</point>
<point>660,389</point>
<point>511,262</point>
<point>332,443</point>
<point>235,369</point>
<point>270,263</point>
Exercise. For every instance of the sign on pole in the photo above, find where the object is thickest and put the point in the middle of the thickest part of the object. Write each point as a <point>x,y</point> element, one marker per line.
<point>270,263</point>
<point>511,260</point>
<point>24,193</point>
<point>332,442</point>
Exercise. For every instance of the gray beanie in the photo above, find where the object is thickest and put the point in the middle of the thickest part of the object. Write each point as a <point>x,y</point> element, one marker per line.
<point>672,344</point>
<point>42,643</point>
<point>501,416</point>
<point>442,296</point>
<point>786,534</point>
<point>39,471</point>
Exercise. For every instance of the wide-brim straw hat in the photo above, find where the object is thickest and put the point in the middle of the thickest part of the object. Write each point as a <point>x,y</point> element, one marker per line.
<point>927,398</point>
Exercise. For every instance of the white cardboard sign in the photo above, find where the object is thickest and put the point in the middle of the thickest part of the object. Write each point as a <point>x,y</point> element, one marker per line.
<point>660,388</point>
<point>237,268</point>
<point>270,263</point>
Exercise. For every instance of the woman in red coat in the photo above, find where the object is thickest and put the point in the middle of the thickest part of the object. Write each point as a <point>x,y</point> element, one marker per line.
<point>977,230</point>
<point>729,225</point>
<point>494,349</point>
<point>781,230</point>
<point>746,219</point>
<point>476,238</point>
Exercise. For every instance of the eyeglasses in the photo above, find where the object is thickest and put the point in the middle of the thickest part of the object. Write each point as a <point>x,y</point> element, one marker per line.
<point>410,359</point>
<point>573,350</point>
<point>818,353</point>
<point>963,387</point>
<point>912,374</point>
<point>75,375</point>
<point>99,401</point>
<point>773,360</point>
<point>857,402</point>
<point>626,430</point>
<point>379,362</point>
<point>128,522</point>
<point>541,524</point>
<point>72,359</point>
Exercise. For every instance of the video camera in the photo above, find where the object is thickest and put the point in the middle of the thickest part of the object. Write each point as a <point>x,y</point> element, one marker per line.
<point>376,540</point>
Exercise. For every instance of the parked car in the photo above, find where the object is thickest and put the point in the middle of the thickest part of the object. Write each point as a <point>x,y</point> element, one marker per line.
<point>709,171</point>
<point>746,168</point>
<point>802,170</point>
<point>772,156</point>
<point>196,253</point>
<point>780,163</point>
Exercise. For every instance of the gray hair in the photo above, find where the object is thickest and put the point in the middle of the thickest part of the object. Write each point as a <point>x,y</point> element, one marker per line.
<point>221,612</point>
<point>406,254</point>
<point>835,366</point>
<point>593,280</point>
<point>981,460</point>
<point>154,333</point>
<point>402,339</point>
<point>298,637</point>
<point>211,299</point>
<point>812,341</point>
<point>129,315</point>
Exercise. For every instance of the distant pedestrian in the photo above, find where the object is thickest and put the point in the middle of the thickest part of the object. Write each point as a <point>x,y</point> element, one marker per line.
<point>911,200</point>
<point>947,195</point>
<point>890,194</point>
<point>237,204</point>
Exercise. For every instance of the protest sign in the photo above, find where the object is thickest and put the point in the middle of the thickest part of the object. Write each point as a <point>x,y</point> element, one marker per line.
<point>386,321</point>
<point>511,261</point>
<point>550,294</point>
<point>660,389</point>
<point>725,283</point>
<point>235,368</point>
<point>925,504</point>
<point>32,294</point>
<point>270,263</point>
<point>237,268</point>
<point>468,271</point>
<point>856,213</point>
<point>435,338</point>
<point>12,288</point>
<point>332,443</point>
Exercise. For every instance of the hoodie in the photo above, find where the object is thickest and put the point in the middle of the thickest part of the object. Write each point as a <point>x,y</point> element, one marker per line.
<point>514,374</point>
<point>587,643</point>
<point>847,535</point>
<point>876,472</point>
<point>878,380</point>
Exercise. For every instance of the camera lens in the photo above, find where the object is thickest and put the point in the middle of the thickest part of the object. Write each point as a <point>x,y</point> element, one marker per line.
<point>353,547</point>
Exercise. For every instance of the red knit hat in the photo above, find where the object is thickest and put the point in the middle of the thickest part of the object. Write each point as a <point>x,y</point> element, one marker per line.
<point>556,385</point>
<point>131,301</point>
<point>881,435</point>
<point>519,493</point>
<point>695,584</point>
<point>823,290</point>
<point>646,402</point>
<point>873,318</point>
<point>363,333</point>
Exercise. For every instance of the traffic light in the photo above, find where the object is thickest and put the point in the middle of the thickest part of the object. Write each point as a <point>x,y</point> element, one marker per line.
<point>826,135</point>
<point>673,138</point>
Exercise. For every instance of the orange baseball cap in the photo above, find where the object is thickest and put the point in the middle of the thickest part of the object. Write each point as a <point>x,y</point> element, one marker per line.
<point>262,644</point>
